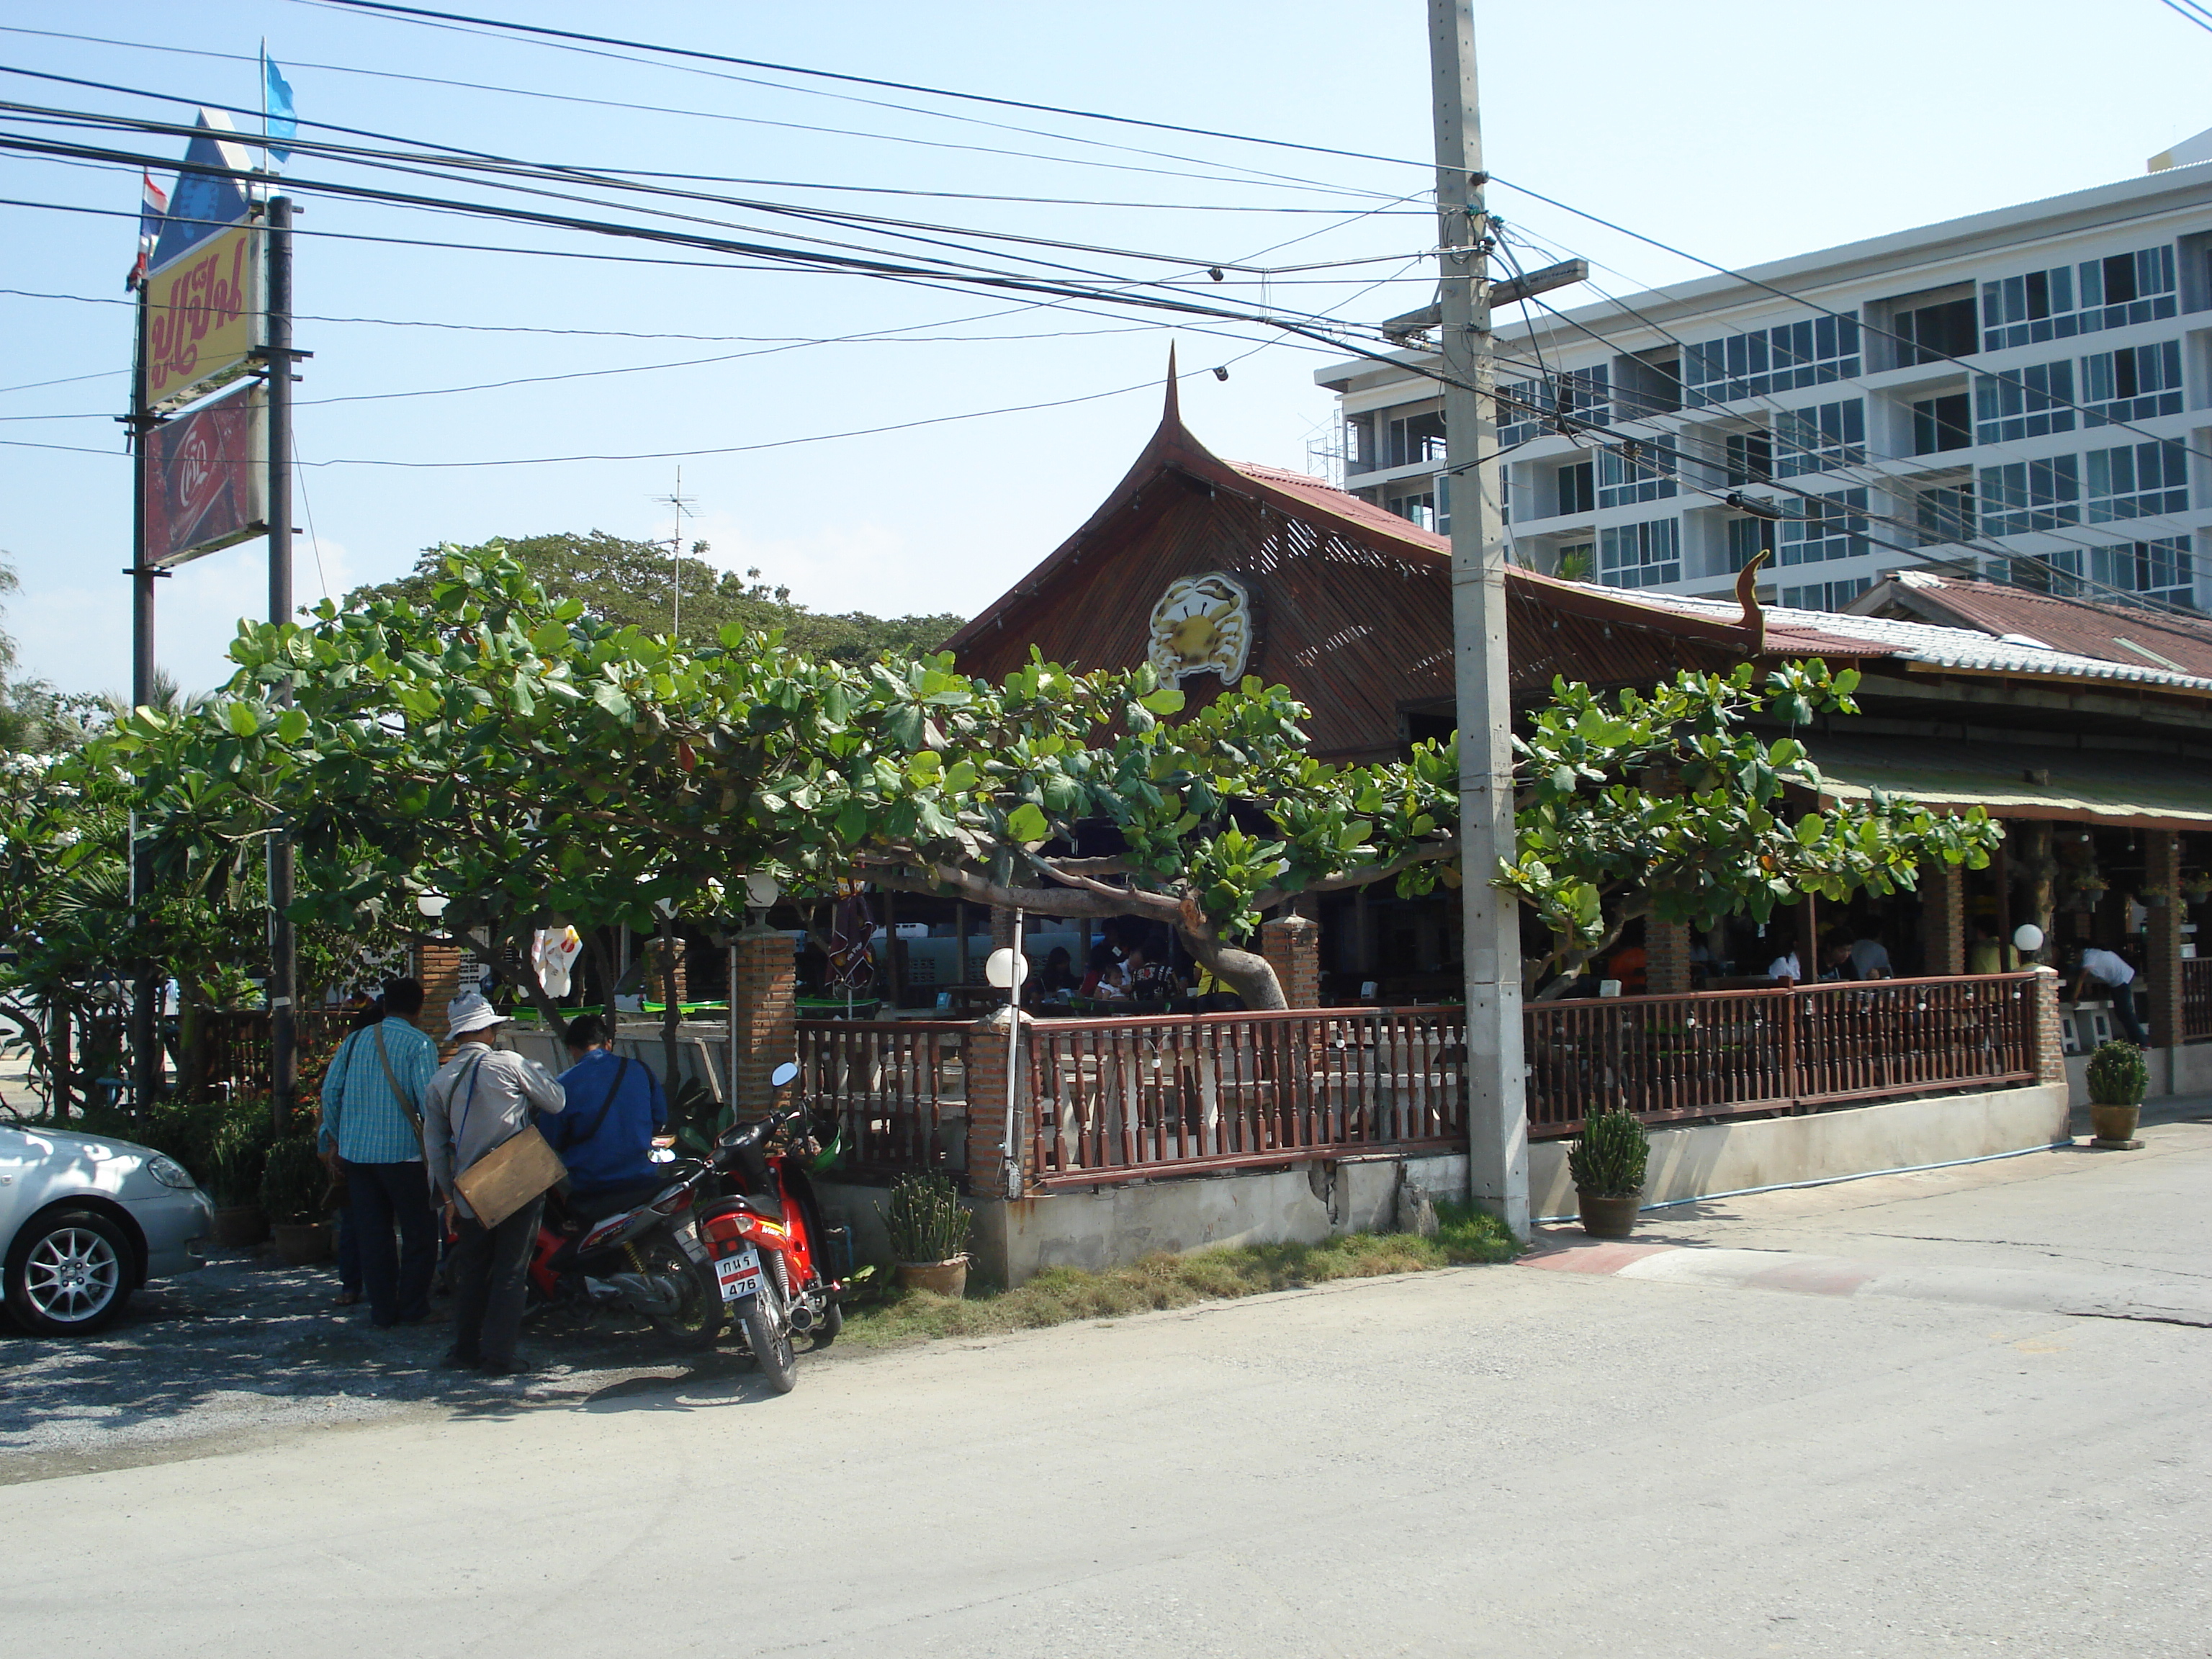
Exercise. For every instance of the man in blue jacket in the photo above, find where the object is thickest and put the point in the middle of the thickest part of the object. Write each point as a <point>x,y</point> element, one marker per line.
<point>615,1106</point>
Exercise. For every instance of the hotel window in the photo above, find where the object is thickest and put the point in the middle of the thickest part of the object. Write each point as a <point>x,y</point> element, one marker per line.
<point>1530,409</point>
<point>1946,512</point>
<point>2030,495</point>
<point>2033,401</point>
<point>1421,509</point>
<point>1788,357</point>
<point>1635,473</point>
<point>1575,562</point>
<point>2113,293</point>
<point>1932,334</point>
<point>1826,596</point>
<point>1640,554</point>
<point>1577,488</point>
<point>1416,438</point>
<point>1820,439</point>
<point>1941,424</point>
<point>1822,527</point>
<point>1750,457</point>
<point>2132,385</point>
<point>1748,538</point>
<point>2163,570</point>
<point>2137,480</point>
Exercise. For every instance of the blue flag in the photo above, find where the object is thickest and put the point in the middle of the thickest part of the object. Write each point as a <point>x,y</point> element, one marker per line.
<point>277,118</point>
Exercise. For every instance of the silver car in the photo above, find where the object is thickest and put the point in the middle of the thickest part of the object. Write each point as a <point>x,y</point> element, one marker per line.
<point>85,1221</point>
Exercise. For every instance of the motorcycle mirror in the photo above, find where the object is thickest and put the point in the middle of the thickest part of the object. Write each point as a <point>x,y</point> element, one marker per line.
<point>784,1076</point>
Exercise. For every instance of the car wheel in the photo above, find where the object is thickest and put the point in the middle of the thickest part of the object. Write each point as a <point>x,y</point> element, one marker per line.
<point>68,1273</point>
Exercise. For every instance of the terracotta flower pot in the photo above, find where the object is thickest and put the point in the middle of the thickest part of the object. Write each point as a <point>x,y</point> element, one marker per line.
<point>1607,1217</point>
<point>2114,1123</point>
<point>944,1278</point>
<point>240,1227</point>
<point>302,1244</point>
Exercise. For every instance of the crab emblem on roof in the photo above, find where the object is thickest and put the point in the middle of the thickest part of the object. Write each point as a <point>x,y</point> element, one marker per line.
<point>1201,625</point>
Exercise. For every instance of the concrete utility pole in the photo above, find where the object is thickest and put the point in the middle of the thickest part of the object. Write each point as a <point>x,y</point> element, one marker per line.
<point>1498,1115</point>
<point>283,967</point>
<point>145,979</point>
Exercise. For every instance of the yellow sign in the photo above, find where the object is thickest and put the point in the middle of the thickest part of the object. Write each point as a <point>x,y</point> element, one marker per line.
<point>202,317</point>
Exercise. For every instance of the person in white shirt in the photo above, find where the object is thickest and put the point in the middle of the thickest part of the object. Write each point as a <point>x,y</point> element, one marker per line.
<point>1785,967</point>
<point>2117,977</point>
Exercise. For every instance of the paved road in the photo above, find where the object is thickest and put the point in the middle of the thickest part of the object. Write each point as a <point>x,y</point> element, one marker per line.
<point>1486,1461</point>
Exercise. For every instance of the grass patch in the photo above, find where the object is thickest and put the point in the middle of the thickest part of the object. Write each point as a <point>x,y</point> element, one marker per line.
<point>1464,1235</point>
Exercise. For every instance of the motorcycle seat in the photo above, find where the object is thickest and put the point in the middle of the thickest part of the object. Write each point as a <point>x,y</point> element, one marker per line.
<point>591,1208</point>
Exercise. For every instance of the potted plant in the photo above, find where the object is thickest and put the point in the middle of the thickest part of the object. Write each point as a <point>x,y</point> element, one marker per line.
<point>2117,1076</point>
<point>928,1229</point>
<point>293,1181</point>
<point>237,1151</point>
<point>1606,1162</point>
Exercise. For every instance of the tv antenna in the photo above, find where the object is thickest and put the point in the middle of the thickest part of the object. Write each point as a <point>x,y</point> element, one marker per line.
<point>682,505</point>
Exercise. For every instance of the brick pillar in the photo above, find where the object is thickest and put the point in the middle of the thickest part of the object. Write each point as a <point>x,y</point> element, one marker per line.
<point>2049,1037</point>
<point>2162,939</point>
<point>1292,946</point>
<point>1943,918</point>
<point>764,1009</point>
<point>656,985</point>
<point>1666,957</point>
<point>983,1060</point>
<point>438,968</point>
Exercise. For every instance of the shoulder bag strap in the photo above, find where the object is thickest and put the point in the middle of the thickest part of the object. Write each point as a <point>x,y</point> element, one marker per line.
<point>469,1101</point>
<point>392,1081</point>
<point>569,1138</point>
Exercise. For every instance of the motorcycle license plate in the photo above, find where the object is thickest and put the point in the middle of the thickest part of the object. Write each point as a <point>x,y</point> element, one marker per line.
<point>739,1275</point>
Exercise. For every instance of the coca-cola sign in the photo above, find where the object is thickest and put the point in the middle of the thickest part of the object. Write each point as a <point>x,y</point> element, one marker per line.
<point>206,483</point>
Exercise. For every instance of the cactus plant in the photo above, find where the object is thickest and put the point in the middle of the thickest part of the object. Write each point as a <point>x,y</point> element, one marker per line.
<point>2118,1074</point>
<point>1607,1159</point>
<point>926,1220</point>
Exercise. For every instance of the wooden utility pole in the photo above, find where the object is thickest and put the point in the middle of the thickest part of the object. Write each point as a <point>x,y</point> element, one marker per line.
<point>1497,1116</point>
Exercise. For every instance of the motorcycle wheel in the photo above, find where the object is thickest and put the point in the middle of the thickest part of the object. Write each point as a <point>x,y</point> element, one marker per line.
<point>769,1332</point>
<point>699,1317</point>
<point>833,1321</point>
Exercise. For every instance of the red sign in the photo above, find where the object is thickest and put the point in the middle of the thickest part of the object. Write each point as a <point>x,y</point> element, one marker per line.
<point>206,473</point>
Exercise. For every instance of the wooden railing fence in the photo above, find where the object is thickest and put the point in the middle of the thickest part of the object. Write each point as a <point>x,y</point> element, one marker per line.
<point>2197,999</point>
<point>898,1088</point>
<point>238,1046</point>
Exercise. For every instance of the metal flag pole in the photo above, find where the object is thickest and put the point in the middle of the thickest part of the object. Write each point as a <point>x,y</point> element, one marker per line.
<point>1496,1106</point>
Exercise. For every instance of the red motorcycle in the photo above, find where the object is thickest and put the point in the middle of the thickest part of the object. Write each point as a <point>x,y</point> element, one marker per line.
<point>737,1237</point>
<point>766,1240</point>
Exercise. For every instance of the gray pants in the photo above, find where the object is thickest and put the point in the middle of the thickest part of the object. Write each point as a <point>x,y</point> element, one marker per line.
<point>490,1272</point>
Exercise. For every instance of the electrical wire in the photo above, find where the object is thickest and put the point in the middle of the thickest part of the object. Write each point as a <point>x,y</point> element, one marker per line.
<point>719,115</point>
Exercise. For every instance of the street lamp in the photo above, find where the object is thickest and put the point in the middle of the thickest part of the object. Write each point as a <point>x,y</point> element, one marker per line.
<point>431,905</point>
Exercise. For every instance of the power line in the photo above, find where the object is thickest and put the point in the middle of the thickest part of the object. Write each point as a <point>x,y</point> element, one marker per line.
<point>2193,15</point>
<point>1265,182</point>
<point>421,13</point>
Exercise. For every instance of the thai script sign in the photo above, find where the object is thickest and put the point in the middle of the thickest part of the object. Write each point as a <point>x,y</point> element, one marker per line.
<point>207,478</point>
<point>201,315</point>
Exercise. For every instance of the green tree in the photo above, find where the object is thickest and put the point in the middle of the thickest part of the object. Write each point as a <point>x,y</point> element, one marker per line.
<point>593,768</point>
<point>634,584</point>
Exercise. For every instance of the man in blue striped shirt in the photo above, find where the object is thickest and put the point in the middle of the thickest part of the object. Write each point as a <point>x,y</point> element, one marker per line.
<point>373,1126</point>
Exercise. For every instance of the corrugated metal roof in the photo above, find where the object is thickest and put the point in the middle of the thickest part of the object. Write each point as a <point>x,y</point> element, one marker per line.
<point>2116,633</point>
<point>1965,648</point>
<point>2148,791</point>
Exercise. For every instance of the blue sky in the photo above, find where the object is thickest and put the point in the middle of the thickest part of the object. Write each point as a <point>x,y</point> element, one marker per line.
<point>1740,132</point>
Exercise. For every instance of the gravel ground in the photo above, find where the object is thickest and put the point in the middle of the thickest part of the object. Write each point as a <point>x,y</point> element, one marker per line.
<point>245,1346</point>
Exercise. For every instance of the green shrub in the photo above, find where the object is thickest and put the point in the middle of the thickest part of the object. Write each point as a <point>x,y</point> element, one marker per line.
<point>925,1220</point>
<point>1607,1159</point>
<point>2117,1075</point>
<point>294,1180</point>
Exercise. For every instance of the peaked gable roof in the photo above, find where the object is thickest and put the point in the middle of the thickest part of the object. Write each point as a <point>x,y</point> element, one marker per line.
<point>2035,623</point>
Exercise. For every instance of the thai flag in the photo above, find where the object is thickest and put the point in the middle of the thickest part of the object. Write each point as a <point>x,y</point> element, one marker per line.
<point>152,205</point>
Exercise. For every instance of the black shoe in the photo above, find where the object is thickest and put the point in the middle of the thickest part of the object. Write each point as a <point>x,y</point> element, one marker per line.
<point>455,1360</point>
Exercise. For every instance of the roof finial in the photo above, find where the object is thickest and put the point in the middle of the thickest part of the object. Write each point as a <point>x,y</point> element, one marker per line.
<point>1746,594</point>
<point>1171,415</point>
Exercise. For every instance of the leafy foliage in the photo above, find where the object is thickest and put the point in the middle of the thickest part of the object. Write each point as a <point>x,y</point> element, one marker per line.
<point>1608,1159</point>
<point>634,584</point>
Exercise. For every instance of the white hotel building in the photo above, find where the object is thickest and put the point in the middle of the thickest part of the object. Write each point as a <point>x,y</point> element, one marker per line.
<point>1668,438</point>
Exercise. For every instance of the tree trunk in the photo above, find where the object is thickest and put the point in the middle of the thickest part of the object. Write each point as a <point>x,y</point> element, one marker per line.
<point>603,964</point>
<point>192,1039</point>
<point>525,976</point>
<point>1248,972</point>
<point>59,1079</point>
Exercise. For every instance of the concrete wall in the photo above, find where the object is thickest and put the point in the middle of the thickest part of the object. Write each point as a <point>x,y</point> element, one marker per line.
<point>2183,1071</point>
<point>1725,1157</point>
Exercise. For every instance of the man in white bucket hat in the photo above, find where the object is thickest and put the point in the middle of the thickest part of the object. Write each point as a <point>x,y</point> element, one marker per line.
<point>480,1098</point>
